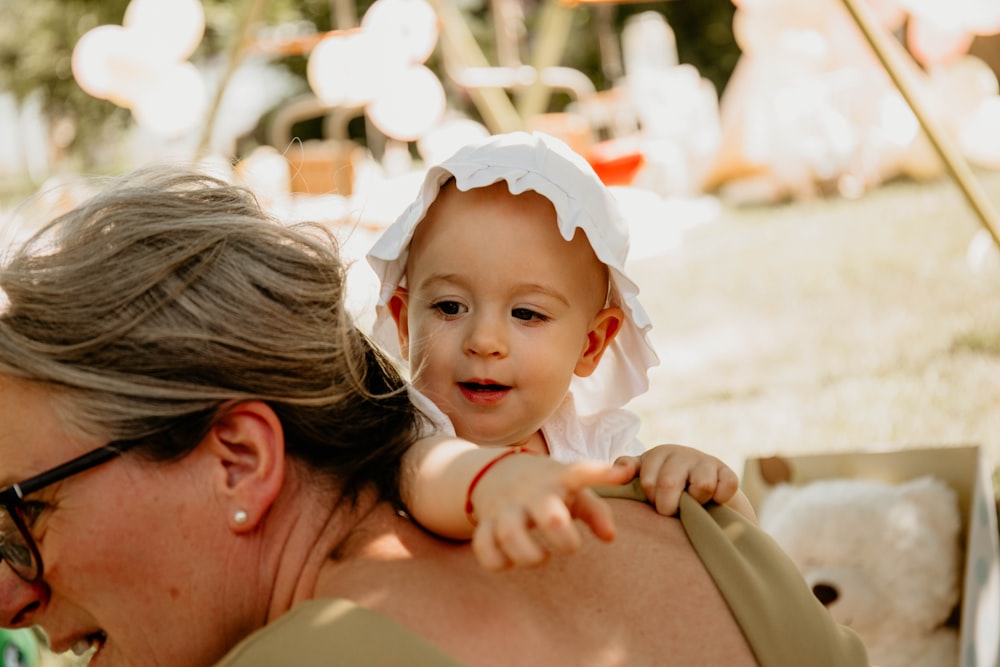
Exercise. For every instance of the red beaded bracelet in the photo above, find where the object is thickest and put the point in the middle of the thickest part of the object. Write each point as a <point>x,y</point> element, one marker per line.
<point>469,509</point>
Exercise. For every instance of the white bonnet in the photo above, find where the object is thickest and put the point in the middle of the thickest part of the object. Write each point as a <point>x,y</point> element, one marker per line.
<point>549,167</point>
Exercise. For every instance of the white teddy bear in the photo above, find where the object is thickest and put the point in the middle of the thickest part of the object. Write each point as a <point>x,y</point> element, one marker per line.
<point>884,558</point>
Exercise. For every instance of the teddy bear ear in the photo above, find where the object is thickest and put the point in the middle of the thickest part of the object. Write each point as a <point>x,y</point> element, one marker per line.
<point>936,500</point>
<point>774,470</point>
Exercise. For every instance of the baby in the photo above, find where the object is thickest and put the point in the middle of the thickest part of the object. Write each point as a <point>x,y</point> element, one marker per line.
<point>503,286</point>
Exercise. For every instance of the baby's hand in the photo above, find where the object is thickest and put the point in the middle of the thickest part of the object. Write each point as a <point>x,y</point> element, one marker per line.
<point>525,507</point>
<point>667,470</point>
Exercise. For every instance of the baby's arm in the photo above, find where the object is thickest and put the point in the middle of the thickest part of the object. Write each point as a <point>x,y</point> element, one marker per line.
<point>523,505</point>
<point>667,470</point>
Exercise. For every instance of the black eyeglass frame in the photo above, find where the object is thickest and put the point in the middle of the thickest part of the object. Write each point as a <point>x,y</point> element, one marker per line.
<point>12,497</point>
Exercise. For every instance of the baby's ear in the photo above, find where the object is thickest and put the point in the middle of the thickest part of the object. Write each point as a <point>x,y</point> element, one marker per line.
<point>603,329</point>
<point>398,307</point>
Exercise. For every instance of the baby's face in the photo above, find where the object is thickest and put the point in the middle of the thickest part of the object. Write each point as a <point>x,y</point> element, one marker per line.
<point>499,311</point>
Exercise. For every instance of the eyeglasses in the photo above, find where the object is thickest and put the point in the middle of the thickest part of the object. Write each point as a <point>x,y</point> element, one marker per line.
<point>17,546</point>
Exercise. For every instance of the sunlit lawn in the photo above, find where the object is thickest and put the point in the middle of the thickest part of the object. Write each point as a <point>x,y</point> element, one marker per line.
<point>827,326</point>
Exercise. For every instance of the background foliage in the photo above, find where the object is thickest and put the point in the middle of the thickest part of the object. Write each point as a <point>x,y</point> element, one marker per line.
<point>37,39</point>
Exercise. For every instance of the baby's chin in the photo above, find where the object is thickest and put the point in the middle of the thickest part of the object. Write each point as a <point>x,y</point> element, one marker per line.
<point>494,437</point>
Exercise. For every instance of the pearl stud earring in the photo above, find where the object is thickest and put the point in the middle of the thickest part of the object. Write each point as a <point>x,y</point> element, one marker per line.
<point>240,517</point>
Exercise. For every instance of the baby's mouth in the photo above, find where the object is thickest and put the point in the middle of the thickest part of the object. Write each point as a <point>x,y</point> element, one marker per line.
<point>483,387</point>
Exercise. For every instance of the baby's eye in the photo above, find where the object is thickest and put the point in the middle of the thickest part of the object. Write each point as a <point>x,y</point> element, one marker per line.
<point>528,315</point>
<point>449,308</point>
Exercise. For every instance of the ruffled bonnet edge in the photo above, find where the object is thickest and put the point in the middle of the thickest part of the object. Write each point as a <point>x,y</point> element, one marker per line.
<point>544,164</point>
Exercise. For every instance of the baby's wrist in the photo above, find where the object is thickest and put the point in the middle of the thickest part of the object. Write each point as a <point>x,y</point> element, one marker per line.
<point>470,510</point>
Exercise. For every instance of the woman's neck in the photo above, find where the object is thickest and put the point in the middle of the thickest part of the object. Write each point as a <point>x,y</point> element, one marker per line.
<point>319,532</point>
<point>381,541</point>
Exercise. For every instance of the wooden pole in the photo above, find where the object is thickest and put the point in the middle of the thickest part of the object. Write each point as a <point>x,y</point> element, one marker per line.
<point>554,23</point>
<point>457,39</point>
<point>253,11</point>
<point>897,63</point>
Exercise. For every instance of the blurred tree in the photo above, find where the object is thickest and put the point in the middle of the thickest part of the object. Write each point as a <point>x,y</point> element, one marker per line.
<point>37,39</point>
<point>36,45</point>
<point>703,29</point>
<point>704,32</point>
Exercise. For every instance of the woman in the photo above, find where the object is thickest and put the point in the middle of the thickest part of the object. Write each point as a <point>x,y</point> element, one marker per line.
<point>201,456</point>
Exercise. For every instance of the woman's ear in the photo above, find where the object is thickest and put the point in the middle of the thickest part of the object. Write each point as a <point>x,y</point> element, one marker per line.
<point>398,305</point>
<point>603,329</point>
<point>248,444</point>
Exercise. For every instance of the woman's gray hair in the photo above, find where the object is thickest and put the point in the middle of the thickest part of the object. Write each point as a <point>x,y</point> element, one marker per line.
<point>170,293</point>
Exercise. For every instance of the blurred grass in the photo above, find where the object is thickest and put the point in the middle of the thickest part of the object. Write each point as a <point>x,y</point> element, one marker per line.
<point>829,325</point>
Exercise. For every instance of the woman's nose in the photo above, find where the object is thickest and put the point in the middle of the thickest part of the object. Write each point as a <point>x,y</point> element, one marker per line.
<point>486,337</point>
<point>20,600</point>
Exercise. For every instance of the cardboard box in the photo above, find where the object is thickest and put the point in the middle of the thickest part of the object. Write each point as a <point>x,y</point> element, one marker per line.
<point>322,167</point>
<point>964,468</point>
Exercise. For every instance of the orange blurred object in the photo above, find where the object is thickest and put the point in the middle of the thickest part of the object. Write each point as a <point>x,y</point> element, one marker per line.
<point>616,161</point>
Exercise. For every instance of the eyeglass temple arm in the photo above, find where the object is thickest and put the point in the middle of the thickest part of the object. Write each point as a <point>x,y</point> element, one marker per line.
<point>17,492</point>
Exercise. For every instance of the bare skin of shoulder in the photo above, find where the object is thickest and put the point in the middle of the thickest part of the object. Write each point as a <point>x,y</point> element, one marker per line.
<point>590,608</point>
